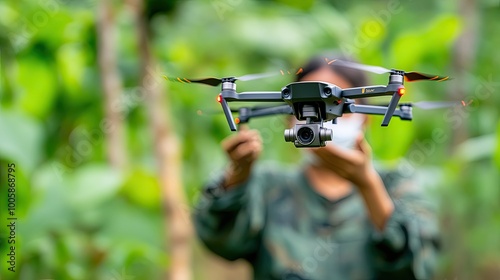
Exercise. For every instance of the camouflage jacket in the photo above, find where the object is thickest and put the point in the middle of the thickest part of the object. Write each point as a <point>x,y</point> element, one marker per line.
<point>286,230</point>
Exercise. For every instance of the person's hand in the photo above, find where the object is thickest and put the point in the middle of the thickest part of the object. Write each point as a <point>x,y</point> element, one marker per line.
<point>243,149</point>
<point>353,165</point>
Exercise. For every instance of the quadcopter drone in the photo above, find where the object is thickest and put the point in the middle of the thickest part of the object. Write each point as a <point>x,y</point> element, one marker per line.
<point>318,102</point>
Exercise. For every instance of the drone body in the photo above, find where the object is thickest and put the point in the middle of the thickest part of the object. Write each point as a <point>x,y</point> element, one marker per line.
<point>317,102</point>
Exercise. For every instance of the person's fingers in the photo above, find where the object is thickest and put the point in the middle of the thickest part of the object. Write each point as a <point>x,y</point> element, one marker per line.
<point>362,145</point>
<point>257,136</point>
<point>241,155</point>
<point>256,147</point>
<point>336,158</point>
<point>246,152</point>
<point>324,156</point>
<point>243,127</point>
<point>230,143</point>
<point>340,166</point>
<point>332,153</point>
<point>359,142</point>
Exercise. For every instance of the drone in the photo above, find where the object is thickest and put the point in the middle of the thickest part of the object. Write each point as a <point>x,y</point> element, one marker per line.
<point>317,102</point>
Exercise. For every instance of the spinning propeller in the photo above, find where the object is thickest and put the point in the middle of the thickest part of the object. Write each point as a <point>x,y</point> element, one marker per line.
<point>431,105</point>
<point>409,76</point>
<point>217,81</point>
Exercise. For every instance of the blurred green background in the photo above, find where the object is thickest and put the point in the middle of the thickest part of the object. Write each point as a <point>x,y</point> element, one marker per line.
<point>82,217</point>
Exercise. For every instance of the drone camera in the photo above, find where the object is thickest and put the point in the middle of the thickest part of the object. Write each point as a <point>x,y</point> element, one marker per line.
<point>308,135</point>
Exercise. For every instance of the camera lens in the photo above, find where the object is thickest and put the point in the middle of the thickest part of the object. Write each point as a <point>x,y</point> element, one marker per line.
<point>305,135</point>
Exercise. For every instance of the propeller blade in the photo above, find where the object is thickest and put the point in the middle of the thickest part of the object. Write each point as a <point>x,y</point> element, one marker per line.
<point>212,81</point>
<point>409,76</point>
<point>251,77</point>
<point>417,76</point>
<point>207,81</point>
<point>429,105</point>
<point>369,68</point>
<point>200,112</point>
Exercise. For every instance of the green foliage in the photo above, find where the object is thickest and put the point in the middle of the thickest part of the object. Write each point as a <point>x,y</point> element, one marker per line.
<point>80,219</point>
<point>22,139</point>
<point>497,148</point>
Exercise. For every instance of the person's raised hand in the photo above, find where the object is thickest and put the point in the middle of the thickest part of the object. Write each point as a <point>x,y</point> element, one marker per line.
<point>242,149</point>
<point>353,165</point>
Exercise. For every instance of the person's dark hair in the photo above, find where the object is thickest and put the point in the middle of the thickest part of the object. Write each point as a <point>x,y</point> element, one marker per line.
<point>355,77</point>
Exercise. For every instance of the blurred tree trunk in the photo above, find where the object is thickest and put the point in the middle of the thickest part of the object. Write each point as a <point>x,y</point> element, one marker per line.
<point>463,60</point>
<point>168,154</point>
<point>112,85</point>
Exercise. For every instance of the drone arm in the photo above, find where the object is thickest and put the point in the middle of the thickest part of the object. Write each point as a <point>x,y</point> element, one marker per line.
<point>394,89</point>
<point>284,109</point>
<point>252,96</point>
<point>362,92</point>
<point>375,110</point>
<point>247,113</point>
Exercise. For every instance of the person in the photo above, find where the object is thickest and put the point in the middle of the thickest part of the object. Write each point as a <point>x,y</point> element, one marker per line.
<point>333,217</point>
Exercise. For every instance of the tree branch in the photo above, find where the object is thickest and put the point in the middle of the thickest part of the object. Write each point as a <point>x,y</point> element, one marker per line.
<point>168,155</point>
<point>112,85</point>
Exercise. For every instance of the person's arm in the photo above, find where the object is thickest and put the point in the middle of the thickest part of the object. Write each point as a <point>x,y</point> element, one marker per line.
<point>356,166</point>
<point>406,237</point>
<point>225,219</point>
<point>378,202</point>
<point>407,248</point>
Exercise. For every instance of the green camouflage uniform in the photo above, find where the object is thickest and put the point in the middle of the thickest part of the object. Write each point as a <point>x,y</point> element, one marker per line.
<point>286,230</point>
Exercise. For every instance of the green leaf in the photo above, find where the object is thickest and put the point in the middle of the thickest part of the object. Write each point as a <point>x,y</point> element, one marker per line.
<point>477,148</point>
<point>408,50</point>
<point>391,142</point>
<point>299,4</point>
<point>93,184</point>
<point>143,188</point>
<point>50,212</point>
<point>496,155</point>
<point>21,139</point>
<point>443,31</point>
<point>71,60</point>
<point>36,86</point>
